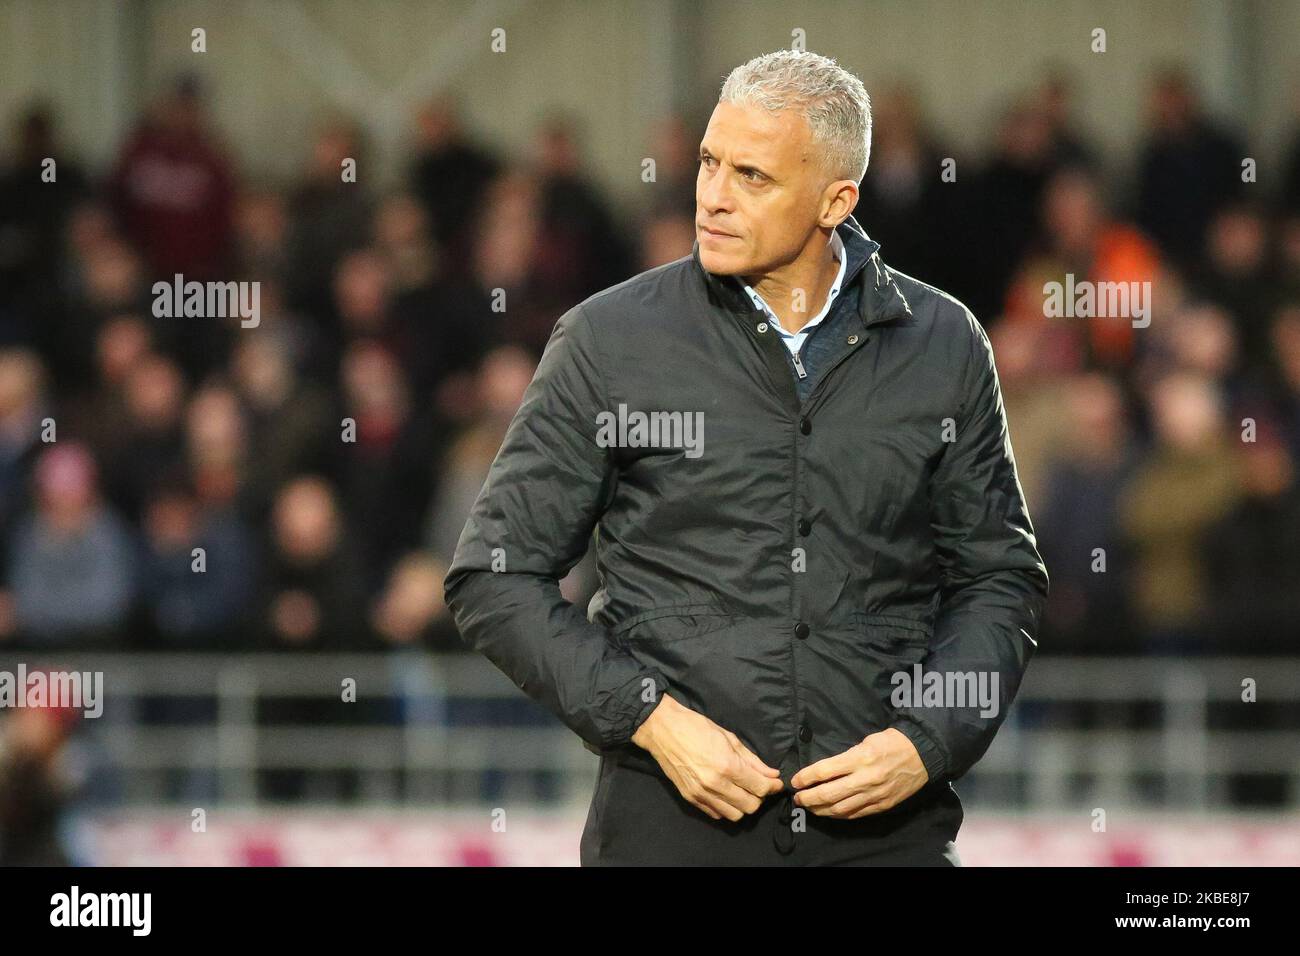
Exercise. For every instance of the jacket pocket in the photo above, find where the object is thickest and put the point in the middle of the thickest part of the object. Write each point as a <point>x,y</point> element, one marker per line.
<point>698,648</point>
<point>894,644</point>
<point>672,623</point>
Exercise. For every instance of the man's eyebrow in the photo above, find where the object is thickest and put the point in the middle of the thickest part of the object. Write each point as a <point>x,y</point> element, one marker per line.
<point>742,167</point>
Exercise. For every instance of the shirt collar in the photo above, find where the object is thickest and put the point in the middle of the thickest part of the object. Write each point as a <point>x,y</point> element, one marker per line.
<point>881,299</point>
<point>837,247</point>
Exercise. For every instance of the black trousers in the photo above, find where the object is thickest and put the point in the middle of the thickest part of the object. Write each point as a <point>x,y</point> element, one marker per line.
<point>637,818</point>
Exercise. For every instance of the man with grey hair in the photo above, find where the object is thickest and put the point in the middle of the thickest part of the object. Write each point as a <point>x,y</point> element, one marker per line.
<point>773,669</point>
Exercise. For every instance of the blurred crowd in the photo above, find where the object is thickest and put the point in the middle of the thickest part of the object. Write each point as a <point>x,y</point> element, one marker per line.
<point>1159,462</point>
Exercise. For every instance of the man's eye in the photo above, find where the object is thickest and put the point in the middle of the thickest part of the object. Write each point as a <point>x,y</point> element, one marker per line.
<point>753,175</point>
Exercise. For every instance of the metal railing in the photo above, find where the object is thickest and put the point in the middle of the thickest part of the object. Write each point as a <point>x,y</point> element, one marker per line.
<point>427,729</point>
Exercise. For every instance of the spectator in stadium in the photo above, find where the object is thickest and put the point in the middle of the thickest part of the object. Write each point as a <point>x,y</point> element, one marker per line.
<point>173,189</point>
<point>1283,375</point>
<point>36,785</point>
<point>1087,612</point>
<point>581,250</point>
<point>195,602</point>
<point>1081,239</point>
<point>328,215</point>
<point>36,199</point>
<point>450,175</point>
<point>672,147</point>
<point>410,611</point>
<point>1189,169</point>
<point>903,194</point>
<point>24,405</point>
<point>290,419</point>
<point>500,386</point>
<point>72,563</point>
<point>1237,274</point>
<point>384,475</point>
<point>1253,559</point>
<point>150,437</point>
<point>664,237</point>
<point>312,587</point>
<point>1186,483</point>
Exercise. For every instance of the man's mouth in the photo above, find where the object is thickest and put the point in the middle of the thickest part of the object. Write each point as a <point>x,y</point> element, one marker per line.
<point>717,233</point>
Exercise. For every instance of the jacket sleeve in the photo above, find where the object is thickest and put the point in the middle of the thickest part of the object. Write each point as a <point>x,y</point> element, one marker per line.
<point>530,525</point>
<point>994,582</point>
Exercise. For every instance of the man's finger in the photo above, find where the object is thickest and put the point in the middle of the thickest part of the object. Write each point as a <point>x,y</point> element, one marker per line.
<point>828,768</point>
<point>752,757</point>
<point>734,797</point>
<point>875,806</point>
<point>829,793</point>
<point>847,808</point>
<point>754,778</point>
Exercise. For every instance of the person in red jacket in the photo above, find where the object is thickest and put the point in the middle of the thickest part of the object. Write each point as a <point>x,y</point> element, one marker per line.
<point>173,190</point>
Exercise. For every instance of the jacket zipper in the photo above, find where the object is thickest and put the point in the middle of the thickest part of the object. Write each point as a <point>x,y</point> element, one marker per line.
<point>798,365</point>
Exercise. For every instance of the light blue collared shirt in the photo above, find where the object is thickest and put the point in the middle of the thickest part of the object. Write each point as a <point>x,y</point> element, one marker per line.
<point>794,340</point>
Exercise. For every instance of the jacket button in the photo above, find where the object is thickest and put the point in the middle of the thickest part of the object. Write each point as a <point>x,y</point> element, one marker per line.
<point>801,630</point>
<point>805,527</point>
<point>805,426</point>
<point>805,733</point>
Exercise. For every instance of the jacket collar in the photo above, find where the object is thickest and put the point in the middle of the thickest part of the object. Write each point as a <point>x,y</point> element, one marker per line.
<point>880,301</point>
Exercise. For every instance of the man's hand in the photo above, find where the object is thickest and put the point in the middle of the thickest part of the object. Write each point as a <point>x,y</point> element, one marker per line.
<point>879,773</point>
<point>710,767</point>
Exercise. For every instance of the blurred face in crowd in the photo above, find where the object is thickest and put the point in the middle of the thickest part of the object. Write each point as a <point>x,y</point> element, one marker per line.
<point>215,426</point>
<point>1073,211</point>
<point>263,370</point>
<point>333,144</point>
<point>1269,469</point>
<point>122,342</point>
<point>373,384</point>
<point>1097,415</point>
<point>65,487</point>
<point>1025,137</point>
<point>20,383</point>
<point>1186,410</point>
<point>1237,241</point>
<point>762,191</point>
<point>171,520</point>
<point>1172,104</point>
<point>1206,341</point>
<point>306,520</point>
<point>112,274</point>
<point>503,378</point>
<point>261,219</point>
<point>361,291</point>
<point>154,393</point>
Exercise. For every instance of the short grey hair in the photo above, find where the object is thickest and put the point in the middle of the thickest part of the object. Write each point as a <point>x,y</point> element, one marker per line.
<point>832,100</point>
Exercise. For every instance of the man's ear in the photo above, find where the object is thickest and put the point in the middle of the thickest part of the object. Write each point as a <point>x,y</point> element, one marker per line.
<point>841,198</point>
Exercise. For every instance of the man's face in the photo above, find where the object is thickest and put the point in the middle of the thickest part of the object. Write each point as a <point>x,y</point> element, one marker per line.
<point>760,190</point>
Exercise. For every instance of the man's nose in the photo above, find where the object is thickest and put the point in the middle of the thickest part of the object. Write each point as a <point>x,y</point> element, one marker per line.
<point>715,195</point>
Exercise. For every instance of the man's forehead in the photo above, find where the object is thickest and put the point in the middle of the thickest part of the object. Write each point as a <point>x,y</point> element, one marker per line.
<point>755,134</point>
